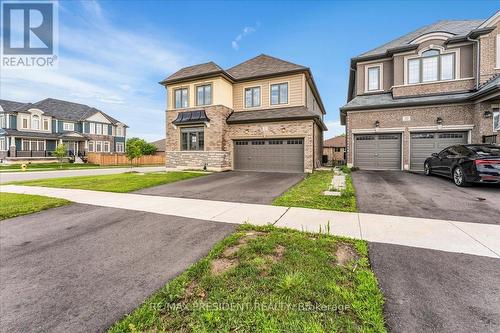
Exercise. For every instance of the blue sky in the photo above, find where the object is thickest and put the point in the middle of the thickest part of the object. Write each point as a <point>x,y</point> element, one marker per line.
<point>113,53</point>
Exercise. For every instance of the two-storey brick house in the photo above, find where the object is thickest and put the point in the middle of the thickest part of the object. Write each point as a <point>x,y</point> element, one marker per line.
<point>33,130</point>
<point>264,114</point>
<point>429,89</point>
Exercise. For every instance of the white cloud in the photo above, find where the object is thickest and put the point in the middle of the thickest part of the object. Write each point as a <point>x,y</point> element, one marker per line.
<point>334,129</point>
<point>235,44</point>
<point>105,66</point>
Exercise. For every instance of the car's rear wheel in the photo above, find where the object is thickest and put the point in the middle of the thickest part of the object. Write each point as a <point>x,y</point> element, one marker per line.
<point>459,177</point>
<point>427,169</point>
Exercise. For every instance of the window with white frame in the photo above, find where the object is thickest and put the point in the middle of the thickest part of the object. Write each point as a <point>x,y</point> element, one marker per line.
<point>119,147</point>
<point>431,66</point>
<point>91,146</point>
<point>98,129</point>
<point>106,146</point>
<point>119,131</point>
<point>35,122</point>
<point>98,146</point>
<point>46,124</point>
<point>24,123</point>
<point>373,78</point>
<point>2,144</point>
<point>36,145</point>
<point>105,129</point>
<point>279,93</point>
<point>496,119</point>
<point>68,126</point>
<point>2,121</point>
<point>92,128</point>
<point>252,97</point>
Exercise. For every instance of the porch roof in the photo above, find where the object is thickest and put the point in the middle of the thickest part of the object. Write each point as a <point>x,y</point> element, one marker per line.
<point>41,135</point>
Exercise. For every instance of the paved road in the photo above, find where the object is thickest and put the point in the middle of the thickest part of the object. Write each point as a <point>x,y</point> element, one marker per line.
<point>79,268</point>
<point>416,195</point>
<point>435,291</point>
<point>6,177</point>
<point>234,186</point>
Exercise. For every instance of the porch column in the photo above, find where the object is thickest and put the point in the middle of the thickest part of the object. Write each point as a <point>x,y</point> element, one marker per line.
<point>12,147</point>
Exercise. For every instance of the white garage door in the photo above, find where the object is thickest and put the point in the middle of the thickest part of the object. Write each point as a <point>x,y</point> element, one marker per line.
<point>377,151</point>
<point>422,145</point>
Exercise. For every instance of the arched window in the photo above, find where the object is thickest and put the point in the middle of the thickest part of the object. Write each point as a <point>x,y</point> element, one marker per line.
<point>35,122</point>
<point>432,65</point>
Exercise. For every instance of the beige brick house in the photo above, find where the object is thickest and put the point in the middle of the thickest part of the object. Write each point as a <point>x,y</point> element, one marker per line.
<point>432,88</point>
<point>264,114</point>
<point>334,149</point>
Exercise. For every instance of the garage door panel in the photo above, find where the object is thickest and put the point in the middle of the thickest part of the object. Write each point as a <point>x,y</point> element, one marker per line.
<point>377,151</point>
<point>275,155</point>
<point>422,145</point>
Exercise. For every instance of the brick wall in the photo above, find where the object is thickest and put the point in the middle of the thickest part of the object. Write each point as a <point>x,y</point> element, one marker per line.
<point>213,160</point>
<point>433,88</point>
<point>488,55</point>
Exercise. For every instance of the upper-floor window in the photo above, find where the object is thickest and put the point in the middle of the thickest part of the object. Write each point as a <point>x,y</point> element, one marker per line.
<point>105,130</point>
<point>45,124</point>
<point>68,126</point>
<point>24,123</point>
<point>496,119</point>
<point>2,121</point>
<point>35,122</point>
<point>181,98</point>
<point>92,128</point>
<point>279,93</point>
<point>431,66</point>
<point>204,94</point>
<point>373,78</point>
<point>98,129</point>
<point>252,97</point>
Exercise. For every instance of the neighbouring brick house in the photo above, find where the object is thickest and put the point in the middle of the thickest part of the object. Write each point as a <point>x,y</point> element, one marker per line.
<point>334,149</point>
<point>429,89</point>
<point>264,114</point>
<point>31,131</point>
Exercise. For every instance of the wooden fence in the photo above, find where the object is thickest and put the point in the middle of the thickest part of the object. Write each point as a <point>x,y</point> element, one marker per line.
<point>117,159</point>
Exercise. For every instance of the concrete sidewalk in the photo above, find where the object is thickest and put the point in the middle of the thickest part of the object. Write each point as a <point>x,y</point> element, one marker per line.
<point>6,177</point>
<point>450,236</point>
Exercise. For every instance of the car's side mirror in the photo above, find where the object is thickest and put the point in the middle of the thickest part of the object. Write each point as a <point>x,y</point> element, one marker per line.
<point>435,155</point>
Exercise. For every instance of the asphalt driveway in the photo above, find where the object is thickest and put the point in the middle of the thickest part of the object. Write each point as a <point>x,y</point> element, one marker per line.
<point>80,268</point>
<point>435,291</point>
<point>416,195</point>
<point>234,186</point>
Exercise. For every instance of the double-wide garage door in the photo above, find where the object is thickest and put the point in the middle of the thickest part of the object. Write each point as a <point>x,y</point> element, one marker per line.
<point>422,145</point>
<point>377,151</point>
<point>276,155</point>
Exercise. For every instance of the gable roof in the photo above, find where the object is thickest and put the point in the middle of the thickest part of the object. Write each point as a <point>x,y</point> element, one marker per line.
<point>335,142</point>
<point>263,65</point>
<point>194,71</point>
<point>10,106</point>
<point>459,28</point>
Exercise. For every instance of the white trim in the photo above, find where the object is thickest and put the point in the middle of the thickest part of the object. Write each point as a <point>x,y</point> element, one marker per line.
<point>432,36</point>
<point>69,128</point>
<point>378,130</point>
<point>437,128</point>
<point>380,77</point>
<point>260,97</point>
<point>443,51</point>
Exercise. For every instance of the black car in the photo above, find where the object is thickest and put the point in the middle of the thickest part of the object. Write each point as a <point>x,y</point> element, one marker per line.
<point>466,164</point>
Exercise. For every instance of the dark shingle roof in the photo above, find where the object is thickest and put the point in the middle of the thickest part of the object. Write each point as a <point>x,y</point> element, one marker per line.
<point>338,141</point>
<point>160,145</point>
<point>193,71</point>
<point>277,114</point>
<point>64,110</point>
<point>456,27</point>
<point>386,100</point>
<point>262,65</point>
<point>191,117</point>
<point>10,106</point>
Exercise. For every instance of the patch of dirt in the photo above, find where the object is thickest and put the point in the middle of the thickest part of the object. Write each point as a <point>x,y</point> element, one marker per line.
<point>251,235</point>
<point>277,255</point>
<point>231,250</point>
<point>345,253</point>
<point>221,265</point>
<point>193,291</point>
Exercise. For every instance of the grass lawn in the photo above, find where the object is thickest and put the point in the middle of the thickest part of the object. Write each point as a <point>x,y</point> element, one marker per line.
<point>309,193</point>
<point>124,182</point>
<point>265,279</point>
<point>12,204</point>
<point>56,166</point>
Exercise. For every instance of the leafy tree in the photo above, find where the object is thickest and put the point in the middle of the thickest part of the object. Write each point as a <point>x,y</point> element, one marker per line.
<point>60,153</point>
<point>148,148</point>
<point>133,149</point>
